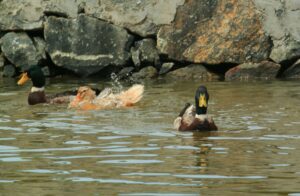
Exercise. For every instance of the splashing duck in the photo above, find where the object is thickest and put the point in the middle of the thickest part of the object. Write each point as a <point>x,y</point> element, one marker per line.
<point>195,118</point>
<point>86,98</point>
<point>37,93</point>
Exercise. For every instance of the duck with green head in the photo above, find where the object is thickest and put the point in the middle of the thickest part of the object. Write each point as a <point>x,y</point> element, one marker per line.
<point>195,118</point>
<point>37,93</point>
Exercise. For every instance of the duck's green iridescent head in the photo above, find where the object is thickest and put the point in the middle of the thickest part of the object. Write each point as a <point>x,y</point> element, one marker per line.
<point>201,99</point>
<point>36,75</point>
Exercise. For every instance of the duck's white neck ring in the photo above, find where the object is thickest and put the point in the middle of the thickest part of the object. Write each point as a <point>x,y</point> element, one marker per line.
<point>37,89</point>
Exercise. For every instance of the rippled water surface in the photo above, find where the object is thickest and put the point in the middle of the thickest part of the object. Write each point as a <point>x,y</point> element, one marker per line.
<point>50,150</point>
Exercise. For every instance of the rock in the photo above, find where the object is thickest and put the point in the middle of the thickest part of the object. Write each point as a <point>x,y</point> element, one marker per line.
<point>86,45</point>
<point>9,71</point>
<point>21,15</point>
<point>19,49</point>
<point>293,72</point>
<point>165,68</point>
<point>194,72</point>
<point>145,53</point>
<point>281,22</point>
<point>125,72</point>
<point>252,71</point>
<point>213,32</point>
<point>139,16</point>
<point>145,73</point>
<point>40,46</point>
<point>2,60</point>
<point>61,8</point>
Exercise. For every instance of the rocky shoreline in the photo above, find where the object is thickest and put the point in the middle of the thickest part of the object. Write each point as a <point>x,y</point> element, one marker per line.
<point>198,39</point>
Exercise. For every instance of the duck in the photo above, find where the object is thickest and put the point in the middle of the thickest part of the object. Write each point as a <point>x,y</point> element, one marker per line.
<point>37,93</point>
<point>86,99</point>
<point>195,118</point>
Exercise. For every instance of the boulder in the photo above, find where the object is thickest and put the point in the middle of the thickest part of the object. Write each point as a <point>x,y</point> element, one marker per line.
<point>86,45</point>
<point>29,14</point>
<point>141,17</point>
<point>281,22</point>
<point>145,73</point>
<point>9,71</point>
<point>2,60</point>
<point>293,72</point>
<point>21,15</point>
<point>214,32</point>
<point>165,68</point>
<point>194,72</point>
<point>69,8</point>
<point>145,53</point>
<point>40,46</point>
<point>265,70</point>
<point>19,49</point>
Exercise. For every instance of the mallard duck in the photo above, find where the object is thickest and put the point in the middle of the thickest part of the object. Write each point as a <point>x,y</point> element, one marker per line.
<point>86,99</point>
<point>195,118</point>
<point>37,93</point>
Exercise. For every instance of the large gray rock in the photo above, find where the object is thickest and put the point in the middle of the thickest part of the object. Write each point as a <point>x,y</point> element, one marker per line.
<point>86,45</point>
<point>142,17</point>
<point>145,53</point>
<point>214,32</point>
<point>19,49</point>
<point>21,15</point>
<point>281,22</point>
<point>69,8</point>
<point>193,72</point>
<point>293,72</point>
<point>29,14</point>
<point>265,70</point>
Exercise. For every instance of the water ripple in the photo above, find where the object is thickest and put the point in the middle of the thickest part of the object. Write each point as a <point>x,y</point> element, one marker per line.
<point>131,161</point>
<point>119,181</point>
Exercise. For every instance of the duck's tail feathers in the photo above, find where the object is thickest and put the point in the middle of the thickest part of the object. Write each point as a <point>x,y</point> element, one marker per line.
<point>133,95</point>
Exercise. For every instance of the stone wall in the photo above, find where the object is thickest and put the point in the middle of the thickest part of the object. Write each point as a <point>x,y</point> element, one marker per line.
<point>89,37</point>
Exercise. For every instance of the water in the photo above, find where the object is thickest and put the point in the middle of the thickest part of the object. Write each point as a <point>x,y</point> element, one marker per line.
<point>50,150</point>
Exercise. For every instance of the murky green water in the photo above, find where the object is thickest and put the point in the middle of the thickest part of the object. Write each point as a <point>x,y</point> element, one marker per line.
<point>49,150</point>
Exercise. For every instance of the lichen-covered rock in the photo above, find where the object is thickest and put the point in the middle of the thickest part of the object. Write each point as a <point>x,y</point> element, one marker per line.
<point>145,53</point>
<point>293,72</point>
<point>213,32</point>
<point>265,70</point>
<point>86,45</point>
<point>281,22</point>
<point>142,17</point>
<point>19,49</point>
<point>145,73</point>
<point>194,72</point>
<point>21,15</point>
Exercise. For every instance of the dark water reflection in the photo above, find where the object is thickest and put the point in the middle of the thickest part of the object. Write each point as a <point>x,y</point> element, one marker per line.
<point>51,150</point>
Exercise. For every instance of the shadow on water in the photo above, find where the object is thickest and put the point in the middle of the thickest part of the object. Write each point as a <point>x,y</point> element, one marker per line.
<point>48,149</point>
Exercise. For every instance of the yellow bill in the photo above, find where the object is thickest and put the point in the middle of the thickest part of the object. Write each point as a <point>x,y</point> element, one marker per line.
<point>24,78</point>
<point>202,101</point>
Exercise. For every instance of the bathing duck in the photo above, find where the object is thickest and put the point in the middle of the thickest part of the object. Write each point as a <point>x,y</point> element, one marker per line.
<point>37,93</point>
<point>86,99</point>
<point>195,118</point>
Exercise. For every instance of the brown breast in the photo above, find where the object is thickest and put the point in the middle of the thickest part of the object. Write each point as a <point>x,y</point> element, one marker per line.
<point>36,97</point>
